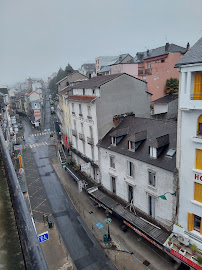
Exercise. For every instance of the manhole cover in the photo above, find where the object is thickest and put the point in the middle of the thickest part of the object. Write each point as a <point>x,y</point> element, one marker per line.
<point>146,263</point>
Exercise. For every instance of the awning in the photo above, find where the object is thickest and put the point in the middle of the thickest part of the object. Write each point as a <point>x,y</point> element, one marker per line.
<point>72,173</point>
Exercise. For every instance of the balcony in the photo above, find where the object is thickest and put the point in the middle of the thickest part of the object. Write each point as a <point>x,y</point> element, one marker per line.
<point>90,141</point>
<point>74,133</point>
<point>196,96</point>
<point>148,71</point>
<point>89,117</point>
<point>81,137</point>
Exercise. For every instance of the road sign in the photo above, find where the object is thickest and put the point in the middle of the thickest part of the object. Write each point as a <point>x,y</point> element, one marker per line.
<point>85,166</point>
<point>43,237</point>
<point>17,147</point>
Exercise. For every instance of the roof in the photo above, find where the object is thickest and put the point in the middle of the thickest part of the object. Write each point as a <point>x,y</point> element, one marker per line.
<point>88,66</point>
<point>104,69</point>
<point>121,58</point>
<point>166,99</point>
<point>98,81</point>
<point>158,131</point>
<point>163,50</point>
<point>69,76</point>
<point>81,98</point>
<point>32,93</point>
<point>193,56</point>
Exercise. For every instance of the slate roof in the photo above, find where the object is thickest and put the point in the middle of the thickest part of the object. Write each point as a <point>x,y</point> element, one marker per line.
<point>96,81</point>
<point>81,98</point>
<point>104,69</point>
<point>166,99</point>
<point>155,129</point>
<point>193,56</point>
<point>172,48</point>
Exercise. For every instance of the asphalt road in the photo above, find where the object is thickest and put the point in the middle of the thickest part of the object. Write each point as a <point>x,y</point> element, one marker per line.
<point>79,241</point>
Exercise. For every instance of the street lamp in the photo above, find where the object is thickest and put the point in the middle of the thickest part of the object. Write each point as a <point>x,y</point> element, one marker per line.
<point>164,197</point>
<point>108,221</point>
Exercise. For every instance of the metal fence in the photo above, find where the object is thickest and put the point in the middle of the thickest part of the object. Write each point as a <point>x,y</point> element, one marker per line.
<point>32,252</point>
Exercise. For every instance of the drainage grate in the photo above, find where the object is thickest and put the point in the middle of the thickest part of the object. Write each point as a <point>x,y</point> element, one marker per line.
<point>146,263</point>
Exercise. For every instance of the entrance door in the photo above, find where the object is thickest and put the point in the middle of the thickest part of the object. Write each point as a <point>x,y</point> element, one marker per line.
<point>113,179</point>
<point>151,206</point>
<point>130,193</point>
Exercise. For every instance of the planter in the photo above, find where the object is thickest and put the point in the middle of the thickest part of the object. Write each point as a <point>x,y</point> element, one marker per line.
<point>182,251</point>
<point>170,246</point>
<point>194,259</point>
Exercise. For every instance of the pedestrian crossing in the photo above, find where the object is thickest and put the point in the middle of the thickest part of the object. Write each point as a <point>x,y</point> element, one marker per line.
<point>41,133</point>
<point>39,144</point>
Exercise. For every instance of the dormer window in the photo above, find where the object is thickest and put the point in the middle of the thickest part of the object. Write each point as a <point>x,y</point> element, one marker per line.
<point>157,145</point>
<point>136,139</point>
<point>113,140</point>
<point>131,146</point>
<point>152,152</point>
<point>118,135</point>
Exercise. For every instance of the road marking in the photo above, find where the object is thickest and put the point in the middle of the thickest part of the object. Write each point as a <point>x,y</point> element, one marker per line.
<point>36,192</point>
<point>48,214</point>
<point>40,204</point>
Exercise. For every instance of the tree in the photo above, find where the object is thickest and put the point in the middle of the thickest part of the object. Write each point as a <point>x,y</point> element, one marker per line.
<point>172,86</point>
<point>69,69</point>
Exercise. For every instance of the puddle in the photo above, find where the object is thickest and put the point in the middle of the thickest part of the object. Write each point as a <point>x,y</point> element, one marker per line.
<point>10,251</point>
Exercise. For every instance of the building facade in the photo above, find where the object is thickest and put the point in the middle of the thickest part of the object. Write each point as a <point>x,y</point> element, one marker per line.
<point>93,104</point>
<point>189,150</point>
<point>137,164</point>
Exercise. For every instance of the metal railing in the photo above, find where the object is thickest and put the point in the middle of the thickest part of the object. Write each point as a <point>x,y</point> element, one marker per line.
<point>81,136</point>
<point>32,252</point>
<point>90,141</point>
<point>74,133</point>
<point>196,96</point>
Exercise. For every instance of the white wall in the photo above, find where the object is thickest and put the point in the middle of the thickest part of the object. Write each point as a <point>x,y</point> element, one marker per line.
<point>164,209</point>
<point>160,108</point>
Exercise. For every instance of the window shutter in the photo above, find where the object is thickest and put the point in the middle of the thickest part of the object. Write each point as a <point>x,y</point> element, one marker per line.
<point>198,192</point>
<point>199,159</point>
<point>198,86</point>
<point>190,222</point>
<point>201,227</point>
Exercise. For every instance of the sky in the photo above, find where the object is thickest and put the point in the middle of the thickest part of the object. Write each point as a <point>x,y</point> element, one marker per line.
<point>40,36</point>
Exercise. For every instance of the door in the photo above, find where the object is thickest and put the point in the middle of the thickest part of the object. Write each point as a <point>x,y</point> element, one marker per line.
<point>130,193</point>
<point>151,206</point>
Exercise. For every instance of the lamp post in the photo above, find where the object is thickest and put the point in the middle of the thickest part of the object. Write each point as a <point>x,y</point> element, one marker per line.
<point>108,221</point>
<point>164,197</point>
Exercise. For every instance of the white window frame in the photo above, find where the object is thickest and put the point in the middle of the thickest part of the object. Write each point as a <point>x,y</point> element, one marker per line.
<point>130,168</point>
<point>152,152</point>
<point>130,146</point>
<point>152,178</point>
<point>113,140</point>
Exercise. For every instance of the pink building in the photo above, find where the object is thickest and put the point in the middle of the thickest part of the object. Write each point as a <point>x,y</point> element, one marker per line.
<point>125,64</point>
<point>157,65</point>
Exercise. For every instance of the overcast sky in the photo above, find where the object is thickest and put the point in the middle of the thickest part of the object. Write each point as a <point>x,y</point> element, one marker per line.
<point>40,36</point>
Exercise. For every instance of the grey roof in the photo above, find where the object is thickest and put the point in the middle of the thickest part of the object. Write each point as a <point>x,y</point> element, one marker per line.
<point>193,56</point>
<point>163,50</point>
<point>119,132</point>
<point>156,129</point>
<point>89,66</point>
<point>166,99</point>
<point>104,69</point>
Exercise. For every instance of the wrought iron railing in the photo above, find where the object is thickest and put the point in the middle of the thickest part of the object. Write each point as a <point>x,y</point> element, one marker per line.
<point>90,140</point>
<point>81,136</point>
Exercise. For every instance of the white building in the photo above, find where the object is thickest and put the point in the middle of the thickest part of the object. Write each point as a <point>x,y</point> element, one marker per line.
<point>137,163</point>
<point>93,104</point>
<point>189,149</point>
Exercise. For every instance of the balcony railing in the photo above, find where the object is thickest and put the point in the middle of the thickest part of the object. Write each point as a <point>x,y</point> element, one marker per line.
<point>89,117</point>
<point>196,96</point>
<point>81,136</point>
<point>90,141</point>
<point>74,133</point>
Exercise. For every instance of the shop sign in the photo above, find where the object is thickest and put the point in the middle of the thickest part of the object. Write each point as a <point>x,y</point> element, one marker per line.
<point>185,259</point>
<point>198,177</point>
<point>102,205</point>
<point>143,235</point>
<point>85,166</point>
<point>20,161</point>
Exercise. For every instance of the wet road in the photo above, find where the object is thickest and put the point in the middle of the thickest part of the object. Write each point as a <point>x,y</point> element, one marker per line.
<point>79,241</point>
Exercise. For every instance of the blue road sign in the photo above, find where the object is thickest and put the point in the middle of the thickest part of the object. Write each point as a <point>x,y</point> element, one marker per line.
<point>43,237</point>
<point>100,225</point>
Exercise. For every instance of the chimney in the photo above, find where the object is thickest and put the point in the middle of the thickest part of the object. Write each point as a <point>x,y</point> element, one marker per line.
<point>167,46</point>
<point>118,118</point>
<point>188,46</point>
<point>147,52</point>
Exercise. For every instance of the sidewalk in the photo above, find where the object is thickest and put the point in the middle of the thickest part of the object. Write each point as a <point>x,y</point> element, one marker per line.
<point>128,251</point>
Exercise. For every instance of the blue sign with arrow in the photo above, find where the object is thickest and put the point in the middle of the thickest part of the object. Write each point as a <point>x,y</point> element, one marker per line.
<point>43,237</point>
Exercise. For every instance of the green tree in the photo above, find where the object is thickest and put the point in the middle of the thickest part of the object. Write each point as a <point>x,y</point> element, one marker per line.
<point>172,86</point>
<point>69,69</point>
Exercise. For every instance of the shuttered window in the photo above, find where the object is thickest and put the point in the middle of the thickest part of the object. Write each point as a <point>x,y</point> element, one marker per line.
<point>199,159</point>
<point>200,125</point>
<point>198,86</point>
<point>198,192</point>
<point>190,222</point>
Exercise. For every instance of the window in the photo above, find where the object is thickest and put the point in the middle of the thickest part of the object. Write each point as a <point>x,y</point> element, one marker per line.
<point>148,65</point>
<point>82,130</point>
<point>170,153</point>
<point>84,149</point>
<point>113,184</point>
<point>194,223</point>
<point>152,152</point>
<point>197,223</point>
<point>84,92</point>
<point>198,86</point>
<point>80,110</point>
<point>131,146</point>
<point>144,78</point>
<point>130,194</point>
<point>130,168</point>
<point>113,140</point>
<point>199,126</point>
<point>151,206</point>
<point>112,161</point>
<point>89,111</point>
<point>152,179</point>
<point>73,112</point>
<point>198,192</point>
<point>93,92</point>
<point>162,60</point>
<point>198,159</point>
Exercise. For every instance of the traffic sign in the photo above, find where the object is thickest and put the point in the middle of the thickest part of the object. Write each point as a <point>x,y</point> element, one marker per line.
<point>43,237</point>
<point>108,220</point>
